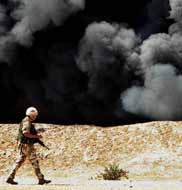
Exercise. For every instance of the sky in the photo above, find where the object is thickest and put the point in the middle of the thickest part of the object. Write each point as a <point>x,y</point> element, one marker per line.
<point>92,62</point>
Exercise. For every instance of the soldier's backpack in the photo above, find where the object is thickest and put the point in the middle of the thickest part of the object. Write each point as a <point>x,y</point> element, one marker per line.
<point>20,137</point>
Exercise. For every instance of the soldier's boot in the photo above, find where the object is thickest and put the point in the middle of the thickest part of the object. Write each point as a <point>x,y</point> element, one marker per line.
<point>43,181</point>
<point>11,181</point>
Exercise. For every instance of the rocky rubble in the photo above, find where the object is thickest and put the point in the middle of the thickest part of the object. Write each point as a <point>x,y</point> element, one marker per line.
<point>147,150</point>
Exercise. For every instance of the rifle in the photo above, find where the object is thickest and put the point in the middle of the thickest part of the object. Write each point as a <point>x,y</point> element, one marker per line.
<point>41,143</point>
<point>33,131</point>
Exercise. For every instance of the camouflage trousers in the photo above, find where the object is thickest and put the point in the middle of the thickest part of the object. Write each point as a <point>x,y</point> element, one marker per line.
<point>26,151</point>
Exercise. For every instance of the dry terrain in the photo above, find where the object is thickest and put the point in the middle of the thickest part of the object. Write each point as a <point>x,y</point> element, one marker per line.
<point>78,153</point>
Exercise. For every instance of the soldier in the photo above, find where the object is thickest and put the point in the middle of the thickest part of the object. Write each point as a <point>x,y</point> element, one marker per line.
<point>26,148</point>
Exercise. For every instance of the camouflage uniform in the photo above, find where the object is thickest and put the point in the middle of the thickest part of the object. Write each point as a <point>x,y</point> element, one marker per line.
<point>26,151</point>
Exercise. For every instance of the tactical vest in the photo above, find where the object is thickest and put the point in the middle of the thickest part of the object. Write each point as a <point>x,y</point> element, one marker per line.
<point>25,140</point>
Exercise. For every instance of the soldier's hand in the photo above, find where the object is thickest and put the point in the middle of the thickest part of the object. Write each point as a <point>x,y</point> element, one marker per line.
<point>39,136</point>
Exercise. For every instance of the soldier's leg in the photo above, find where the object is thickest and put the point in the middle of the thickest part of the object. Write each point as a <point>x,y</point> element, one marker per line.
<point>35,163</point>
<point>20,160</point>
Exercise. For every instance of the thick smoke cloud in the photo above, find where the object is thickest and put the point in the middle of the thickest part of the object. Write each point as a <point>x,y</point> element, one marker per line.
<point>160,97</point>
<point>105,46</point>
<point>107,55</point>
<point>37,75</point>
<point>176,10</point>
<point>7,43</point>
<point>176,14</point>
<point>33,15</point>
<point>161,48</point>
<point>75,67</point>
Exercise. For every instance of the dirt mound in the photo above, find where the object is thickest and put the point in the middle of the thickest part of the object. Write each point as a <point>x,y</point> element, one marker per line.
<point>147,150</point>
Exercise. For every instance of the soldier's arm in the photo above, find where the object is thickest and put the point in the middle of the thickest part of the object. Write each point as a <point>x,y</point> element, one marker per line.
<point>26,130</point>
<point>29,135</point>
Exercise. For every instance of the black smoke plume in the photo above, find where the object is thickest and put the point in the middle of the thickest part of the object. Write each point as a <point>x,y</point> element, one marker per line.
<point>161,57</point>
<point>91,62</point>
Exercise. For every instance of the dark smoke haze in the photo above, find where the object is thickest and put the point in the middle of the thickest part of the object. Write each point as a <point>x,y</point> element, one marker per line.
<point>88,61</point>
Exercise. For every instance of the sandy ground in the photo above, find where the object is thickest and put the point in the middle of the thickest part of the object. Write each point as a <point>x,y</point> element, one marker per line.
<point>150,152</point>
<point>147,150</point>
<point>73,183</point>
